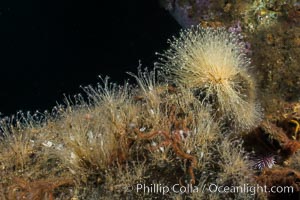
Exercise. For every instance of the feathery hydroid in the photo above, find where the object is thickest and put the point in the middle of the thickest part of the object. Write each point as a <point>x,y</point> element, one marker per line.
<point>213,62</point>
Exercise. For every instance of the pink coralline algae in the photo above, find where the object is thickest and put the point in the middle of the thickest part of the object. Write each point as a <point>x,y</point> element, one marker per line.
<point>236,28</point>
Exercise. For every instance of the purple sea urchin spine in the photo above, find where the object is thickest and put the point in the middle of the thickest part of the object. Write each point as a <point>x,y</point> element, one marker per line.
<point>264,161</point>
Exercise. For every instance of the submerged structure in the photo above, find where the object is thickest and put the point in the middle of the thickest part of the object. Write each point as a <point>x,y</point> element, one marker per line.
<point>205,119</point>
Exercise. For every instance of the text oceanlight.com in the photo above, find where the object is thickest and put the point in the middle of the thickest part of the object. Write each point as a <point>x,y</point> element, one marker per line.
<point>211,188</point>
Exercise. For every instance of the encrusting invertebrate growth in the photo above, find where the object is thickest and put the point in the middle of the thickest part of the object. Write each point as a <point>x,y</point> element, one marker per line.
<point>173,127</point>
<point>212,63</point>
<point>280,177</point>
<point>174,115</point>
<point>42,189</point>
<point>175,142</point>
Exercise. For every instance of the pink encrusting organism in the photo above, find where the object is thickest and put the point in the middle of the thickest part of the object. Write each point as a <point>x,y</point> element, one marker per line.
<point>236,28</point>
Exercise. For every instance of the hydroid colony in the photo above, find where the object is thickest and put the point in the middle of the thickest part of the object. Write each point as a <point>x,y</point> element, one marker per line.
<point>155,132</point>
<point>213,62</point>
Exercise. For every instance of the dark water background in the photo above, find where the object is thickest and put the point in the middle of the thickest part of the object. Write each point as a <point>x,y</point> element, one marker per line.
<point>50,48</point>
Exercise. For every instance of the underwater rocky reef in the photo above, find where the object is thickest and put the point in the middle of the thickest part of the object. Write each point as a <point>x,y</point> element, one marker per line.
<point>271,31</point>
<point>217,118</point>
